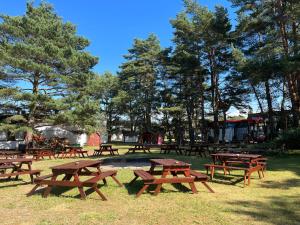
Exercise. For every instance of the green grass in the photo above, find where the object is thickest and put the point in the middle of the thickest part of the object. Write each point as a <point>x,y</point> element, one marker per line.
<point>272,200</point>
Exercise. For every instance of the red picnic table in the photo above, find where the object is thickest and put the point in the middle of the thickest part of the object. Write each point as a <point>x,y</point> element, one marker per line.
<point>16,166</point>
<point>248,163</point>
<point>170,173</point>
<point>40,153</point>
<point>223,157</point>
<point>75,170</point>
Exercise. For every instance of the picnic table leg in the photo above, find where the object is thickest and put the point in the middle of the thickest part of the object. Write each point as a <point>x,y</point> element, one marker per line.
<point>134,179</point>
<point>80,188</point>
<point>32,190</point>
<point>192,184</point>
<point>99,192</point>
<point>142,190</point>
<point>48,189</point>
<point>158,188</point>
<point>31,175</point>
<point>116,180</point>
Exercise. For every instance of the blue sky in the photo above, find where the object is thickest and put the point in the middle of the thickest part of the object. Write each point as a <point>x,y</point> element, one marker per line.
<point>111,25</point>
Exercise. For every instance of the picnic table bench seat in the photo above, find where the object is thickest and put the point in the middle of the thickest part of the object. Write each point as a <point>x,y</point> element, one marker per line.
<point>247,170</point>
<point>143,148</point>
<point>91,182</point>
<point>41,178</point>
<point>8,166</point>
<point>17,173</point>
<point>148,179</point>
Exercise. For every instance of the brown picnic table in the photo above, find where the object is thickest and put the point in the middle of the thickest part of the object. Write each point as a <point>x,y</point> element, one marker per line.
<point>139,147</point>
<point>200,150</point>
<point>10,154</point>
<point>71,173</point>
<point>105,148</point>
<point>223,157</point>
<point>171,171</point>
<point>72,151</point>
<point>248,163</point>
<point>167,148</point>
<point>40,153</point>
<point>15,167</point>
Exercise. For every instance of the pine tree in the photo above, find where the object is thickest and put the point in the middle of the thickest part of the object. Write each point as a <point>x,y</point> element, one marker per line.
<point>49,66</point>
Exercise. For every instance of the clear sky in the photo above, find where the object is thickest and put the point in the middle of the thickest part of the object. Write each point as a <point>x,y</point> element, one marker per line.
<point>111,25</point>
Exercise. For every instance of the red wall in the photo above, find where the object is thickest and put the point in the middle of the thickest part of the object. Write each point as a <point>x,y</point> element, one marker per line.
<point>94,140</point>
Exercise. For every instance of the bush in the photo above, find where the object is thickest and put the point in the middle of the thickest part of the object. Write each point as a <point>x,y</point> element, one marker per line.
<point>290,138</point>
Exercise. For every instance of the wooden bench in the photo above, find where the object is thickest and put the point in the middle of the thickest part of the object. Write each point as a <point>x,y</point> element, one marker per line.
<point>148,179</point>
<point>18,173</point>
<point>166,149</point>
<point>247,171</point>
<point>143,148</point>
<point>105,148</point>
<point>82,153</point>
<point>91,182</point>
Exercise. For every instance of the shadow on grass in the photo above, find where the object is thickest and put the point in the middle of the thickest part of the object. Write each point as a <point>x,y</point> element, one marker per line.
<point>275,210</point>
<point>59,191</point>
<point>286,184</point>
<point>134,188</point>
<point>7,182</point>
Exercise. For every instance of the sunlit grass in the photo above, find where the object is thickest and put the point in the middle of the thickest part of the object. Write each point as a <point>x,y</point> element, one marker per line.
<point>273,200</point>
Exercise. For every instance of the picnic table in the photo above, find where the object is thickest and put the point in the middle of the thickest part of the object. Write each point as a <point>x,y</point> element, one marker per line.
<point>10,154</point>
<point>40,153</point>
<point>200,150</point>
<point>167,148</point>
<point>248,163</point>
<point>75,170</point>
<point>16,166</point>
<point>105,148</point>
<point>72,151</point>
<point>169,169</point>
<point>139,147</point>
<point>224,157</point>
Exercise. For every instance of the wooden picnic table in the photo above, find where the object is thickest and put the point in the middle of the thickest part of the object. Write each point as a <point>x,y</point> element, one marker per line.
<point>223,157</point>
<point>72,151</point>
<point>199,149</point>
<point>40,153</point>
<point>171,171</point>
<point>139,147</point>
<point>10,154</point>
<point>248,163</point>
<point>16,166</point>
<point>167,148</point>
<point>105,148</point>
<point>75,170</point>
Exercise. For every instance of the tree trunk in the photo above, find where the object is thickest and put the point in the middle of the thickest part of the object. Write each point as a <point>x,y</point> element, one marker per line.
<point>33,105</point>
<point>257,98</point>
<point>270,110</point>
<point>214,95</point>
<point>190,123</point>
<point>224,126</point>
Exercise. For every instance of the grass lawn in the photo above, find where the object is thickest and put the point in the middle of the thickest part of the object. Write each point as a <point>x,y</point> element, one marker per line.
<point>272,200</point>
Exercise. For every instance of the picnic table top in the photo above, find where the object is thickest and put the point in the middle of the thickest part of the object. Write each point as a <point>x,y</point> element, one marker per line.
<point>15,160</point>
<point>170,162</point>
<point>73,147</point>
<point>9,152</point>
<point>249,156</point>
<point>39,149</point>
<point>76,165</point>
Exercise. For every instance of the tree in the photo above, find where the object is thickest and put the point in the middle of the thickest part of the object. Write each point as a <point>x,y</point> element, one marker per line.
<point>46,60</point>
<point>270,30</point>
<point>138,77</point>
